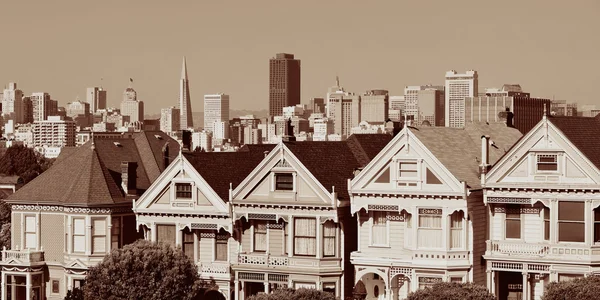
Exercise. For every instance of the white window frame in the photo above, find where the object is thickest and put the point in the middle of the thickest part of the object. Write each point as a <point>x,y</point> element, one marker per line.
<point>387,229</point>
<point>35,232</point>
<point>405,182</point>
<point>443,220</point>
<point>214,257</point>
<point>106,234</point>
<point>85,237</point>
<point>252,227</point>
<point>274,181</point>
<point>174,190</point>
<point>547,154</point>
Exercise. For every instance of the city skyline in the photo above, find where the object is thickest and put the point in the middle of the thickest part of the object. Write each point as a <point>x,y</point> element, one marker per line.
<point>549,59</point>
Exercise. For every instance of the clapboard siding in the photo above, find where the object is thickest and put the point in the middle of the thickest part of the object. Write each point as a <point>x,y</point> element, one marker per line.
<point>396,237</point>
<point>275,241</point>
<point>497,225</point>
<point>532,227</point>
<point>206,247</point>
<point>478,215</point>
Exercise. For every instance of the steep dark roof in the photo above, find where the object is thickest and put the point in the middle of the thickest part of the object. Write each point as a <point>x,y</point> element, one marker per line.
<point>583,132</point>
<point>219,169</point>
<point>459,149</point>
<point>369,144</point>
<point>91,174</point>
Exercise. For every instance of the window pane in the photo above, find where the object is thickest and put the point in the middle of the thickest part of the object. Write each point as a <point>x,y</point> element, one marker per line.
<point>513,229</point>
<point>99,227</point>
<point>78,226</point>
<point>570,211</point>
<point>547,167</point>
<point>166,234</point>
<point>571,232</point>
<point>305,236</point>
<point>284,182</point>
<point>30,240</point>
<point>329,229</point>
<point>99,244</point>
<point>546,230</point>
<point>597,232</point>
<point>79,243</point>
<point>221,248</point>
<point>188,244</point>
<point>30,224</point>
<point>183,190</point>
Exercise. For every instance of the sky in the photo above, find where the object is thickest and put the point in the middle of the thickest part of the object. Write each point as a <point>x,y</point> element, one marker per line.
<point>61,47</point>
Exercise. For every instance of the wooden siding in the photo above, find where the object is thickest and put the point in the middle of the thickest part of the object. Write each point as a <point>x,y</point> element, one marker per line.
<point>478,216</point>
<point>16,230</point>
<point>396,237</point>
<point>52,233</point>
<point>206,246</point>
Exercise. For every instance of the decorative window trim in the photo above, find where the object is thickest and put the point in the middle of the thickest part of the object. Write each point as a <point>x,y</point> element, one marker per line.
<point>408,182</point>
<point>274,181</point>
<point>537,162</point>
<point>173,191</point>
<point>387,229</point>
<point>220,237</point>
<point>36,231</point>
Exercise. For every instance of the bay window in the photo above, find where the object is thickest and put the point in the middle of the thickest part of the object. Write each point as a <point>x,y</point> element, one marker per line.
<point>79,235</point>
<point>305,236</point>
<point>30,232</point>
<point>430,228</point>
<point>329,229</point>
<point>379,228</point>
<point>456,229</point>
<point>571,222</point>
<point>98,236</point>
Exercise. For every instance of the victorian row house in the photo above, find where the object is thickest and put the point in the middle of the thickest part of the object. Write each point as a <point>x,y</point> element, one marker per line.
<point>543,203</point>
<point>419,208</point>
<point>69,217</point>
<point>265,217</point>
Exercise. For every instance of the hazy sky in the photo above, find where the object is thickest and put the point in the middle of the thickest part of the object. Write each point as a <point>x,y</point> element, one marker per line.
<point>551,48</point>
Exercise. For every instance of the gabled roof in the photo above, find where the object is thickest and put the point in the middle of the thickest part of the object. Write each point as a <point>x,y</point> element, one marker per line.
<point>583,132</point>
<point>369,144</point>
<point>459,149</point>
<point>219,169</point>
<point>91,174</point>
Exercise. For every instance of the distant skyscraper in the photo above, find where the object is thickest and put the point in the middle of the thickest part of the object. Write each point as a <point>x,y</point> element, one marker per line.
<point>284,83</point>
<point>185,105</point>
<point>131,107</point>
<point>343,108</point>
<point>27,110</point>
<point>169,119</point>
<point>43,106</point>
<point>423,103</point>
<point>216,109</point>
<point>12,103</point>
<point>459,86</point>
<point>374,106</point>
<point>96,97</point>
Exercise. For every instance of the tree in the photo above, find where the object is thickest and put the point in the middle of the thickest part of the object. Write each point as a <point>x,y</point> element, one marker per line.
<point>145,270</point>
<point>23,162</point>
<point>291,294</point>
<point>74,294</point>
<point>452,291</point>
<point>580,288</point>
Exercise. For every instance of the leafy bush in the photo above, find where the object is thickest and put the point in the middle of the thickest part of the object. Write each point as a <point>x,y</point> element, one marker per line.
<point>145,270</point>
<point>291,294</point>
<point>452,291</point>
<point>74,294</point>
<point>586,288</point>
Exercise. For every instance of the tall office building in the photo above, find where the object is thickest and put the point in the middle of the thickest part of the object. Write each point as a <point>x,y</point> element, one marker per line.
<point>96,97</point>
<point>169,119</point>
<point>374,106</point>
<point>216,109</point>
<point>491,109</point>
<point>344,109</point>
<point>185,105</point>
<point>130,106</point>
<point>12,103</point>
<point>43,106</point>
<point>458,86</point>
<point>284,83</point>
<point>397,102</point>
<point>424,103</point>
<point>79,111</point>
<point>27,110</point>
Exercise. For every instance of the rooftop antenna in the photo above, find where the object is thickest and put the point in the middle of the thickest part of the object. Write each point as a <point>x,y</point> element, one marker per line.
<point>337,81</point>
<point>545,112</point>
<point>130,81</point>
<point>101,79</point>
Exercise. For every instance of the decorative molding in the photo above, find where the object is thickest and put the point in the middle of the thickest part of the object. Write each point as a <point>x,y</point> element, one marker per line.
<point>18,269</point>
<point>399,217</point>
<point>430,280</point>
<point>382,207</point>
<point>274,226</point>
<point>203,226</point>
<point>283,164</point>
<point>67,209</point>
<point>499,209</point>
<point>430,211</point>
<point>508,200</point>
<point>255,216</point>
<point>206,235</point>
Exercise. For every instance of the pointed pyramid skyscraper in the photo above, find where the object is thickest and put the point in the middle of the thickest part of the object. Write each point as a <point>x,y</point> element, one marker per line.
<point>185,105</point>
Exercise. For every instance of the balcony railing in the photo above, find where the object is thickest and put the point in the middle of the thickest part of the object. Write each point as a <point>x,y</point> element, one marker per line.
<point>549,251</point>
<point>270,260</point>
<point>25,256</point>
<point>214,268</point>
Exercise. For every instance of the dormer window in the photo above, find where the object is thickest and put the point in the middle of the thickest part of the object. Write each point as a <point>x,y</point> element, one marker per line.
<point>547,163</point>
<point>284,182</point>
<point>183,190</point>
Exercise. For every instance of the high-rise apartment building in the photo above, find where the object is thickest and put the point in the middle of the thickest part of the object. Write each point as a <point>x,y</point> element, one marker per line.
<point>12,103</point>
<point>284,83</point>
<point>458,86</point>
<point>185,105</point>
<point>43,106</point>
<point>96,97</point>
<point>317,105</point>
<point>170,119</point>
<point>216,109</point>
<point>397,102</point>
<point>343,108</point>
<point>491,109</point>
<point>130,106</point>
<point>202,140</point>
<point>562,108</point>
<point>54,132</point>
<point>374,106</point>
<point>27,110</point>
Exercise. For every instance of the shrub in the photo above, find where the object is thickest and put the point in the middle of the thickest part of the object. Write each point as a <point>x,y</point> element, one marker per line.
<point>452,291</point>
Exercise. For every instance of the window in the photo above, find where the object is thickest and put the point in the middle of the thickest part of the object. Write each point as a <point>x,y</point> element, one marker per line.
<point>407,173</point>
<point>115,233</point>
<point>329,229</point>
<point>221,247</point>
<point>379,232</point>
<point>183,190</point>
<point>430,228</point>
<point>597,225</point>
<point>329,287</point>
<point>79,235</point>
<point>571,225</point>
<point>78,283</point>
<point>30,232</point>
<point>260,236</point>
<point>188,243</point>
<point>547,162</point>
<point>285,237</point>
<point>513,222</point>
<point>55,286</point>
<point>456,229</point>
<point>98,236</point>
<point>16,286</point>
<point>546,223</point>
<point>305,236</point>
<point>165,234</point>
<point>284,182</point>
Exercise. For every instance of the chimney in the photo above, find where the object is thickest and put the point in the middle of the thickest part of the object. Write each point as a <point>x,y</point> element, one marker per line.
<point>485,157</point>
<point>509,118</point>
<point>129,177</point>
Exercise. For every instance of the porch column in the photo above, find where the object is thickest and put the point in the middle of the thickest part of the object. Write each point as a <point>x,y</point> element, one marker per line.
<point>236,290</point>
<point>525,286</point>
<point>153,235</point>
<point>242,292</point>
<point>388,293</point>
<point>3,288</point>
<point>290,241</point>
<point>178,235</point>
<point>395,295</point>
<point>28,286</point>
<point>266,283</point>
<point>319,238</point>
<point>490,280</point>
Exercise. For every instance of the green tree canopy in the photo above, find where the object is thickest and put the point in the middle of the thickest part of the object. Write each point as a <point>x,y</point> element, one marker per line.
<point>452,291</point>
<point>145,270</point>
<point>24,162</point>
<point>586,288</point>
<point>291,294</point>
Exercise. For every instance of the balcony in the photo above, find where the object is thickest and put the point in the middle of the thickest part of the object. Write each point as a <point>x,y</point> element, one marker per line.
<point>23,257</point>
<point>273,261</point>
<point>556,252</point>
<point>215,270</point>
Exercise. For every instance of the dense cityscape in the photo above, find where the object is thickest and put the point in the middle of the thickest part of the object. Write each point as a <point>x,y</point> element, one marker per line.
<point>322,150</point>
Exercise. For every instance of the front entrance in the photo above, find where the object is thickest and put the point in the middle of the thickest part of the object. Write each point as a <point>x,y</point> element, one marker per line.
<point>510,286</point>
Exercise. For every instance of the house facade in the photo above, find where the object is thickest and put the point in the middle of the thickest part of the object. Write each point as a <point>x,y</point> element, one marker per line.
<point>419,208</point>
<point>292,217</point>
<point>543,202</point>
<point>69,217</point>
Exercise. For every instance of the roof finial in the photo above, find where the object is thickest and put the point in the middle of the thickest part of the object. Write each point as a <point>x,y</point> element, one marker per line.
<point>337,81</point>
<point>545,112</point>
<point>405,120</point>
